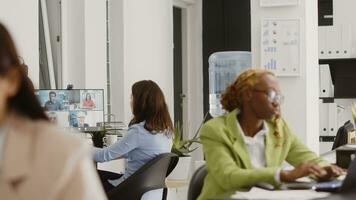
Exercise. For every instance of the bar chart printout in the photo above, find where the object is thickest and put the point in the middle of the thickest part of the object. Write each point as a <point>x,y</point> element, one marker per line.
<point>280,46</point>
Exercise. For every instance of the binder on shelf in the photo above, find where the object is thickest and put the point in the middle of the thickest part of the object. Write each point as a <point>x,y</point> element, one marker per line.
<point>333,42</point>
<point>332,108</point>
<point>325,83</point>
<point>346,41</point>
<point>323,118</point>
<point>322,42</point>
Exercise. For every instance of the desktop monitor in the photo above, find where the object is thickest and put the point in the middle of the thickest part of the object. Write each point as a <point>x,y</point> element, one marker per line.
<point>73,108</point>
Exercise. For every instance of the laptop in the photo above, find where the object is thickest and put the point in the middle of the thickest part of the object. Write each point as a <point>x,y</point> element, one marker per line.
<point>346,185</point>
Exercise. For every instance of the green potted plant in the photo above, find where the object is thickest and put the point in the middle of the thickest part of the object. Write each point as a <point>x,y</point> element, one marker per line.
<point>351,138</point>
<point>183,147</point>
<point>180,146</point>
<point>353,110</point>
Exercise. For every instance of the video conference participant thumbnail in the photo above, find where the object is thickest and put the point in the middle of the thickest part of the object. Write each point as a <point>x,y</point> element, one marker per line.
<point>53,104</point>
<point>88,102</point>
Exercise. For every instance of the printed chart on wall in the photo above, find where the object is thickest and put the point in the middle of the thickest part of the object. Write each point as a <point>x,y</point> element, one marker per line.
<point>280,46</point>
<point>276,3</point>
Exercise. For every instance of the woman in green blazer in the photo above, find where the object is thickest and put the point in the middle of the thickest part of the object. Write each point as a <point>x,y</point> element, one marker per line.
<point>247,145</point>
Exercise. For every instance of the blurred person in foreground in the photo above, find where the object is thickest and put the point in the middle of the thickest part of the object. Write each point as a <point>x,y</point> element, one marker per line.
<point>37,161</point>
<point>247,146</point>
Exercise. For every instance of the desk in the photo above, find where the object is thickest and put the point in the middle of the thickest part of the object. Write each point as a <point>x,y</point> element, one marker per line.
<point>329,156</point>
<point>342,156</point>
<point>116,166</point>
<point>227,196</point>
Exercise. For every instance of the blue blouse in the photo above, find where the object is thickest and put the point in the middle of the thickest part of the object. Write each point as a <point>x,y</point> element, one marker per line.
<point>138,146</point>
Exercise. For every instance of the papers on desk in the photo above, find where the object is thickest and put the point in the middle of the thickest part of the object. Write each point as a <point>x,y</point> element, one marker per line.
<point>258,193</point>
<point>350,146</point>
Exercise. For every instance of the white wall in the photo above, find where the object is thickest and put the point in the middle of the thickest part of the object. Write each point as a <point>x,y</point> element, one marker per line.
<point>141,48</point>
<point>95,45</point>
<point>84,44</point>
<point>54,23</point>
<point>117,58</point>
<point>301,108</point>
<point>73,43</point>
<point>21,18</point>
<point>147,50</point>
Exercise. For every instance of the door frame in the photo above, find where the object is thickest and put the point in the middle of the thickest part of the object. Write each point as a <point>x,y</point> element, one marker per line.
<point>192,67</point>
<point>184,6</point>
<point>178,65</point>
<point>47,39</point>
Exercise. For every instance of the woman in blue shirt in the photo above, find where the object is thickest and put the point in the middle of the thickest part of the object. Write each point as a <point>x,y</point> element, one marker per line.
<point>149,134</point>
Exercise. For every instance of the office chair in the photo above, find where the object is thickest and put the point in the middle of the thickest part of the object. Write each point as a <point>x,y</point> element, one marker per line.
<point>150,176</point>
<point>196,183</point>
<point>341,135</point>
<point>172,165</point>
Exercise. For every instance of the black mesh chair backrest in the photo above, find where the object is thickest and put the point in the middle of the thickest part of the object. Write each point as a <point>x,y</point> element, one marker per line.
<point>150,176</point>
<point>196,183</point>
<point>342,134</point>
<point>172,165</point>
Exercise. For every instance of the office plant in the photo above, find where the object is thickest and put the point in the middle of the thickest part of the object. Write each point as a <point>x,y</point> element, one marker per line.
<point>180,146</point>
<point>353,110</point>
<point>351,137</point>
<point>183,147</point>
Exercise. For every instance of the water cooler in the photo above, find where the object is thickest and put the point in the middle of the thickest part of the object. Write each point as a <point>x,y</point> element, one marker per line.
<point>224,67</point>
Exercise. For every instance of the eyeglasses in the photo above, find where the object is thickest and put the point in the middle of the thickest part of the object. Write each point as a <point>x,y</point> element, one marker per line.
<point>272,95</point>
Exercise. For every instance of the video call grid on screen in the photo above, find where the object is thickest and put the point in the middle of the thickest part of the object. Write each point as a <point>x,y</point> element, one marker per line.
<point>73,108</point>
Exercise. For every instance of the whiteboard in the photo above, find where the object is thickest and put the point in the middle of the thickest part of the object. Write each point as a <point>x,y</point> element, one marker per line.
<point>280,46</point>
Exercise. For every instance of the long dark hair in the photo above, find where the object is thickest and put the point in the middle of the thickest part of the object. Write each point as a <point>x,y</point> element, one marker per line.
<point>148,104</point>
<point>24,102</point>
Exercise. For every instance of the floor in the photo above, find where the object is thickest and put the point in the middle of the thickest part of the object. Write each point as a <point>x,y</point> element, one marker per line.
<point>177,189</point>
<point>178,193</point>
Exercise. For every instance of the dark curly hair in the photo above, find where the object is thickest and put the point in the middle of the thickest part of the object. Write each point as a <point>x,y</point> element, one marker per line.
<point>232,97</point>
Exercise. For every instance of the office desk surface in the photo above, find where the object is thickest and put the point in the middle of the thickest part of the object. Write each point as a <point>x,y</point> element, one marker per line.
<point>328,156</point>
<point>116,166</point>
<point>227,196</point>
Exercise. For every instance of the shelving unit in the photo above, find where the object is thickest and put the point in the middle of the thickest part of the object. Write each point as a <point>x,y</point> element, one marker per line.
<point>343,76</point>
<point>336,108</point>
